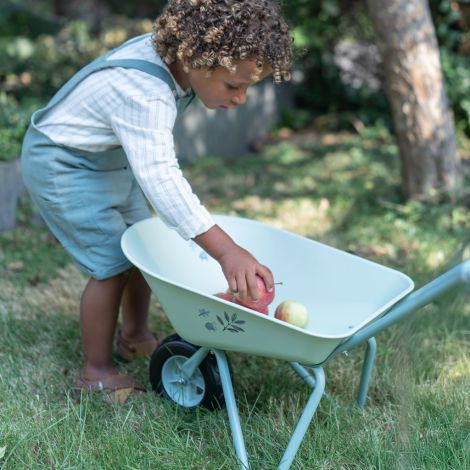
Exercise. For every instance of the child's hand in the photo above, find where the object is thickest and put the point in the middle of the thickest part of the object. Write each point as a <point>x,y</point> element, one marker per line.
<point>239,266</point>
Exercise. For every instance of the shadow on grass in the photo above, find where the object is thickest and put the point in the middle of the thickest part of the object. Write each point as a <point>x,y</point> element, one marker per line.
<point>417,411</point>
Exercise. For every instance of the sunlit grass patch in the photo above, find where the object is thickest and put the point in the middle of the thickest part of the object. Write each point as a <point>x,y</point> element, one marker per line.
<point>342,189</point>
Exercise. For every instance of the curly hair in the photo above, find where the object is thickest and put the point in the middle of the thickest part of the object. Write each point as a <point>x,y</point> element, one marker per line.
<point>212,33</point>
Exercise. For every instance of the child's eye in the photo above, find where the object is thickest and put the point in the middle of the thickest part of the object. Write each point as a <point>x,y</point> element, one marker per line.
<point>231,87</point>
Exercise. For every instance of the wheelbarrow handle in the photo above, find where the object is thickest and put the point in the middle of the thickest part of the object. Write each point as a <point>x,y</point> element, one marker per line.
<point>459,275</point>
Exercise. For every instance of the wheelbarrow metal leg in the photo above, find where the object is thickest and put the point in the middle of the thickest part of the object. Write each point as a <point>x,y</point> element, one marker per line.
<point>303,373</point>
<point>304,420</point>
<point>367,371</point>
<point>194,362</point>
<point>232,410</point>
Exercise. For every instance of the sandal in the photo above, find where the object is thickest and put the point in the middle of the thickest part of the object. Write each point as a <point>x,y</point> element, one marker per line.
<point>117,387</point>
<point>128,350</point>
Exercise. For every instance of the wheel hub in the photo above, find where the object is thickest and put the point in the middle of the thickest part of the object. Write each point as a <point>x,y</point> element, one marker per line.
<point>183,390</point>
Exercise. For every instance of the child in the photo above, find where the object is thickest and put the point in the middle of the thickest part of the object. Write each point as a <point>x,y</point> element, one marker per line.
<point>107,134</point>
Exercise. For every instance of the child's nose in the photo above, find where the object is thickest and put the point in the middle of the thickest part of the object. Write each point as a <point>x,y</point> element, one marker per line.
<point>240,98</point>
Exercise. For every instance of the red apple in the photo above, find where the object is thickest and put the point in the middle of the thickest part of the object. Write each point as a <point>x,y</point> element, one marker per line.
<point>292,312</point>
<point>263,310</point>
<point>226,296</point>
<point>231,298</point>
<point>265,297</point>
<point>260,308</point>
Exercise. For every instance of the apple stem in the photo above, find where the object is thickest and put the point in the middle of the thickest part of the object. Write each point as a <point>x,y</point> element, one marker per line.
<point>278,283</point>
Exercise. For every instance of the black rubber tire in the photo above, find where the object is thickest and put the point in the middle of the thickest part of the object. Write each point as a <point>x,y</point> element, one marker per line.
<point>172,337</point>
<point>175,346</point>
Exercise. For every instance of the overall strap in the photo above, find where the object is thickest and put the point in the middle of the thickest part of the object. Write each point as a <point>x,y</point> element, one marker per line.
<point>101,63</point>
<point>144,66</point>
<point>128,43</point>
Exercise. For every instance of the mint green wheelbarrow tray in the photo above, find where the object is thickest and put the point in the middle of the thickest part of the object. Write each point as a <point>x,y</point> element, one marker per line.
<point>350,300</point>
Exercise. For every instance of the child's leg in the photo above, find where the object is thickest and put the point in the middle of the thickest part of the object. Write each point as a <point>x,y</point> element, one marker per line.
<point>135,308</point>
<point>99,309</point>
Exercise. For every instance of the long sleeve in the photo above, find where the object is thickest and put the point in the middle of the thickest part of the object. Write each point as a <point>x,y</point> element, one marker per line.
<point>144,126</point>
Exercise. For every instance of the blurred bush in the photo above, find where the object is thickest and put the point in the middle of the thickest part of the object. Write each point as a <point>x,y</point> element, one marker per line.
<point>456,70</point>
<point>37,67</point>
<point>36,61</point>
<point>321,50</point>
<point>14,120</point>
<point>43,42</point>
<point>335,47</point>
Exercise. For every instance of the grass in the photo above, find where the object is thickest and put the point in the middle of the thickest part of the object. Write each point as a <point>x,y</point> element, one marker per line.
<point>341,189</point>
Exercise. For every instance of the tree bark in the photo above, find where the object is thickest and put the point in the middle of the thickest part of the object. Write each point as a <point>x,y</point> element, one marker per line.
<point>423,122</point>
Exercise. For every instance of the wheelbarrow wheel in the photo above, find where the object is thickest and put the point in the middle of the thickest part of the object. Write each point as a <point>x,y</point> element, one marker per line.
<point>203,388</point>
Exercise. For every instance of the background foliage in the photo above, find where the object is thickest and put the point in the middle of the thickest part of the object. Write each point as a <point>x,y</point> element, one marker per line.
<point>321,26</point>
<point>43,42</point>
<point>341,188</point>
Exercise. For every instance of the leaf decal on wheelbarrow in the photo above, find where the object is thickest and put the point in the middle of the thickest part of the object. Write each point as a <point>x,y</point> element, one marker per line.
<point>235,329</point>
<point>203,312</point>
<point>231,323</point>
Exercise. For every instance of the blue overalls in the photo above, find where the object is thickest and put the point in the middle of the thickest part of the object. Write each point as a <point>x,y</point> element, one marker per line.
<point>88,199</point>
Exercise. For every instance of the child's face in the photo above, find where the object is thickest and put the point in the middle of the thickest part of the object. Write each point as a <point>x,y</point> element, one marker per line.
<point>222,89</point>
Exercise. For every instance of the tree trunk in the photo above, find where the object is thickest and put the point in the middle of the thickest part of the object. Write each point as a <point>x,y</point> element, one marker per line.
<point>423,123</point>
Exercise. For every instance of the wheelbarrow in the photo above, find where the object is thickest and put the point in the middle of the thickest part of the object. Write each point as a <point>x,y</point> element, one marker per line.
<point>350,300</point>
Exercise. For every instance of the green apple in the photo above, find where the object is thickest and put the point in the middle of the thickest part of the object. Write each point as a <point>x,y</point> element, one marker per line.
<point>292,312</point>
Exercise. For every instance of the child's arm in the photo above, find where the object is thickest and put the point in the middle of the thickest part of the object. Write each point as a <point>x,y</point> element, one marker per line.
<point>144,125</point>
<point>239,266</point>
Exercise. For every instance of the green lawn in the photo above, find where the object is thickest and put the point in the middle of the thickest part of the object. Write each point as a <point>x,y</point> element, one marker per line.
<point>341,189</point>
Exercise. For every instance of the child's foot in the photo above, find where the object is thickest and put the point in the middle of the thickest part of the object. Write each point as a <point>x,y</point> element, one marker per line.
<point>128,349</point>
<point>117,387</point>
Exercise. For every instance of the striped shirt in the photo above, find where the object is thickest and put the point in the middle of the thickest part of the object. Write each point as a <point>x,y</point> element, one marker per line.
<point>135,110</point>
